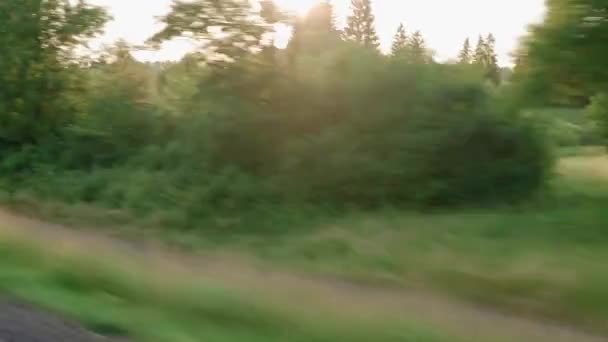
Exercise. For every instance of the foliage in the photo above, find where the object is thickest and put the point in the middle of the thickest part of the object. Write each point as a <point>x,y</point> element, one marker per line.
<point>229,29</point>
<point>567,127</point>
<point>37,43</point>
<point>480,51</point>
<point>417,51</point>
<point>485,58</point>
<point>562,59</point>
<point>490,60</point>
<point>360,26</point>
<point>465,55</point>
<point>597,111</point>
<point>400,42</point>
<point>394,152</point>
<point>315,33</point>
<point>324,120</point>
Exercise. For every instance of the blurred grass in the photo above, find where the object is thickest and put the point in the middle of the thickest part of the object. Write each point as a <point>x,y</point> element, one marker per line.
<point>546,257</point>
<point>118,297</point>
<point>542,258</point>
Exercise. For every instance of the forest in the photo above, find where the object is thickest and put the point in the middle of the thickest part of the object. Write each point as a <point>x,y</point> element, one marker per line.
<point>240,125</point>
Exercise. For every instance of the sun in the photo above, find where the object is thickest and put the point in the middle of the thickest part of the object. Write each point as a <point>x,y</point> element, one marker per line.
<point>299,7</point>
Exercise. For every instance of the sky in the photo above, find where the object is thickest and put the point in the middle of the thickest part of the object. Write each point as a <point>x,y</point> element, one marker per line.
<point>444,23</point>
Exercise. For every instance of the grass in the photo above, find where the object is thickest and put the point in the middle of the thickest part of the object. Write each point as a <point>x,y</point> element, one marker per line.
<point>543,258</point>
<point>127,297</point>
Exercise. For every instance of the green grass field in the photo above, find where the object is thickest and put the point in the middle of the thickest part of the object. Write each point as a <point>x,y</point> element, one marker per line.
<point>541,259</point>
<point>546,257</point>
<point>123,297</point>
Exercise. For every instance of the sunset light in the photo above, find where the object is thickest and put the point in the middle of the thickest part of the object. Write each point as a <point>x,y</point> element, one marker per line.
<point>299,7</point>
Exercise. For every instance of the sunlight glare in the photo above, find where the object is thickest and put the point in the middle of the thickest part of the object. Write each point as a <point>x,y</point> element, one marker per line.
<point>282,34</point>
<point>299,7</point>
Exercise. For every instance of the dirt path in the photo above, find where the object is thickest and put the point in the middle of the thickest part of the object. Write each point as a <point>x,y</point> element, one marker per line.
<point>446,314</point>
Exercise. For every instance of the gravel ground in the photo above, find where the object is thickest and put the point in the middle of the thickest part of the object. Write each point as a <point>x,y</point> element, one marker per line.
<point>23,323</point>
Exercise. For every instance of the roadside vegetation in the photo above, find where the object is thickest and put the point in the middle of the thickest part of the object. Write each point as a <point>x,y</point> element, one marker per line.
<point>327,157</point>
<point>129,298</point>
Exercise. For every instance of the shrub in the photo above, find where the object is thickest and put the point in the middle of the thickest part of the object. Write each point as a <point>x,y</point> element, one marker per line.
<point>597,111</point>
<point>344,127</point>
<point>423,136</point>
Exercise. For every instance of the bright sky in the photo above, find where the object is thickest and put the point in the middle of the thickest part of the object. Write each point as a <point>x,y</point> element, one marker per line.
<point>444,23</point>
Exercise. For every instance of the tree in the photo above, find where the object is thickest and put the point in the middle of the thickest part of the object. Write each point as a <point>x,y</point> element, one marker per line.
<point>485,58</point>
<point>465,55</point>
<point>480,52</point>
<point>564,55</point>
<point>400,42</point>
<point>37,43</point>
<point>227,29</point>
<point>417,51</point>
<point>360,25</point>
<point>117,110</point>
<point>315,32</point>
<point>492,71</point>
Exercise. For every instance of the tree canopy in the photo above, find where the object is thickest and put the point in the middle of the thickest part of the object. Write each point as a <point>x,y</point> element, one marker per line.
<point>225,30</point>
<point>37,43</point>
<point>360,25</point>
<point>400,42</point>
<point>563,58</point>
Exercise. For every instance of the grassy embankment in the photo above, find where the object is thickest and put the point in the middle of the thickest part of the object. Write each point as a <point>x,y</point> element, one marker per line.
<point>544,258</point>
<point>124,295</point>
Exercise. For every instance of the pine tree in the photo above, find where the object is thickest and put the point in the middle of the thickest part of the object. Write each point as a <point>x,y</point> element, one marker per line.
<point>491,60</point>
<point>360,26</point>
<point>417,51</point>
<point>465,55</point>
<point>480,52</point>
<point>399,42</point>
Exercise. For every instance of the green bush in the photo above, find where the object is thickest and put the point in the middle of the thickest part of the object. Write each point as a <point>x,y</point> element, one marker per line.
<point>597,111</point>
<point>345,127</point>
<point>423,136</point>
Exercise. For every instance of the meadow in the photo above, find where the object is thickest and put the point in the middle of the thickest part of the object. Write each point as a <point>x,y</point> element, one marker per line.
<point>542,260</point>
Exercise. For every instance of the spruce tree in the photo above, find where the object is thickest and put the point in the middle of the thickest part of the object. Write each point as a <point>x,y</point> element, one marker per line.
<point>491,60</point>
<point>399,42</point>
<point>417,51</point>
<point>360,25</point>
<point>465,55</point>
<point>480,52</point>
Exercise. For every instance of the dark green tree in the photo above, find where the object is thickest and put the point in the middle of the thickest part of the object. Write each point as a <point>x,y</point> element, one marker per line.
<point>492,70</point>
<point>564,57</point>
<point>37,43</point>
<point>466,54</point>
<point>360,25</point>
<point>479,56</point>
<point>417,50</point>
<point>400,42</point>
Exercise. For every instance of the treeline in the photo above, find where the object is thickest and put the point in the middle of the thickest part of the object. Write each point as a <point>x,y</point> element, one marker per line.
<point>242,125</point>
